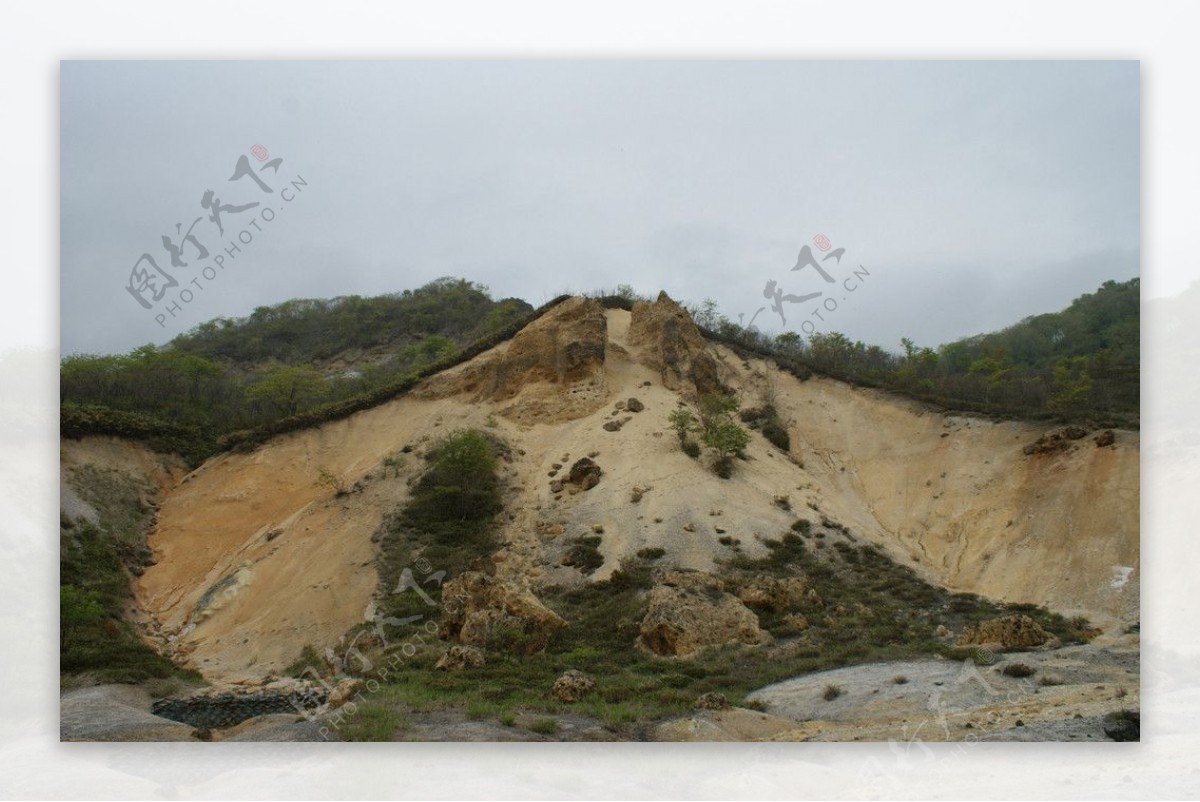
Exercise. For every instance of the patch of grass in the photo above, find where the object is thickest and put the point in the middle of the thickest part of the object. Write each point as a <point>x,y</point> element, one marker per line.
<point>308,662</point>
<point>162,687</point>
<point>651,553</point>
<point>507,718</point>
<point>691,448</point>
<point>372,721</point>
<point>544,726</point>
<point>482,708</point>
<point>832,692</point>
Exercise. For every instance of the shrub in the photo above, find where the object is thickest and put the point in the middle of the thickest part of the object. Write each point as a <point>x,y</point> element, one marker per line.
<point>585,555</point>
<point>691,448</point>
<point>682,421</point>
<point>900,679</point>
<point>651,553</point>
<point>776,435</point>
<point>331,480</point>
<point>460,483</point>
<point>832,692</point>
<point>723,467</point>
<point>544,726</point>
<point>1018,670</point>
<point>726,437</point>
<point>716,406</point>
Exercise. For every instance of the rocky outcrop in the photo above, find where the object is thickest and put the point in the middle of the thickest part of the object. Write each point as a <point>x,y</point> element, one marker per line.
<point>688,611</point>
<point>565,346</point>
<point>772,593</point>
<point>671,343</point>
<point>572,686</point>
<point>1007,632</point>
<point>552,370</point>
<point>1057,440</point>
<point>344,691</point>
<point>481,610</point>
<point>460,658</point>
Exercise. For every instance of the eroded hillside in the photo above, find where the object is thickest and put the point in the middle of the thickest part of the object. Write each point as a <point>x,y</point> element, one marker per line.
<point>260,554</point>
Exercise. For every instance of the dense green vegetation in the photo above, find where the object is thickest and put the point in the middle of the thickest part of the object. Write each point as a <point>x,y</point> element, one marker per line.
<point>230,375</point>
<point>1077,364</point>
<point>95,564</point>
<point>299,332</point>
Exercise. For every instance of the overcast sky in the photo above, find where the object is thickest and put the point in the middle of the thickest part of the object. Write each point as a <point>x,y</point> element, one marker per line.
<point>972,194</point>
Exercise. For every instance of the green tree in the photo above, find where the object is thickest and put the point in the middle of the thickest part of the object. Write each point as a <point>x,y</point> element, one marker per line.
<point>789,342</point>
<point>726,437</point>
<point>1072,385</point>
<point>461,480</point>
<point>714,406</point>
<point>286,388</point>
<point>682,421</point>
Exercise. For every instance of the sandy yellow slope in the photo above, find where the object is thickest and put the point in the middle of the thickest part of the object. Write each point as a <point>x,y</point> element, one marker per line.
<point>256,559</point>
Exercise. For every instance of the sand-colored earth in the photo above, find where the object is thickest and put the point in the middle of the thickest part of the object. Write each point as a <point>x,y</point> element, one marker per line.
<point>256,558</point>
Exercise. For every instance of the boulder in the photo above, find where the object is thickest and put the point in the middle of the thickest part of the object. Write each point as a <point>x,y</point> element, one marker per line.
<point>460,658</point>
<point>481,610</point>
<point>1105,438</point>
<point>634,405</point>
<point>572,686</point>
<point>1123,725</point>
<point>343,692</point>
<point>1006,632</point>
<point>585,474</point>
<point>772,593</point>
<point>688,611</point>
